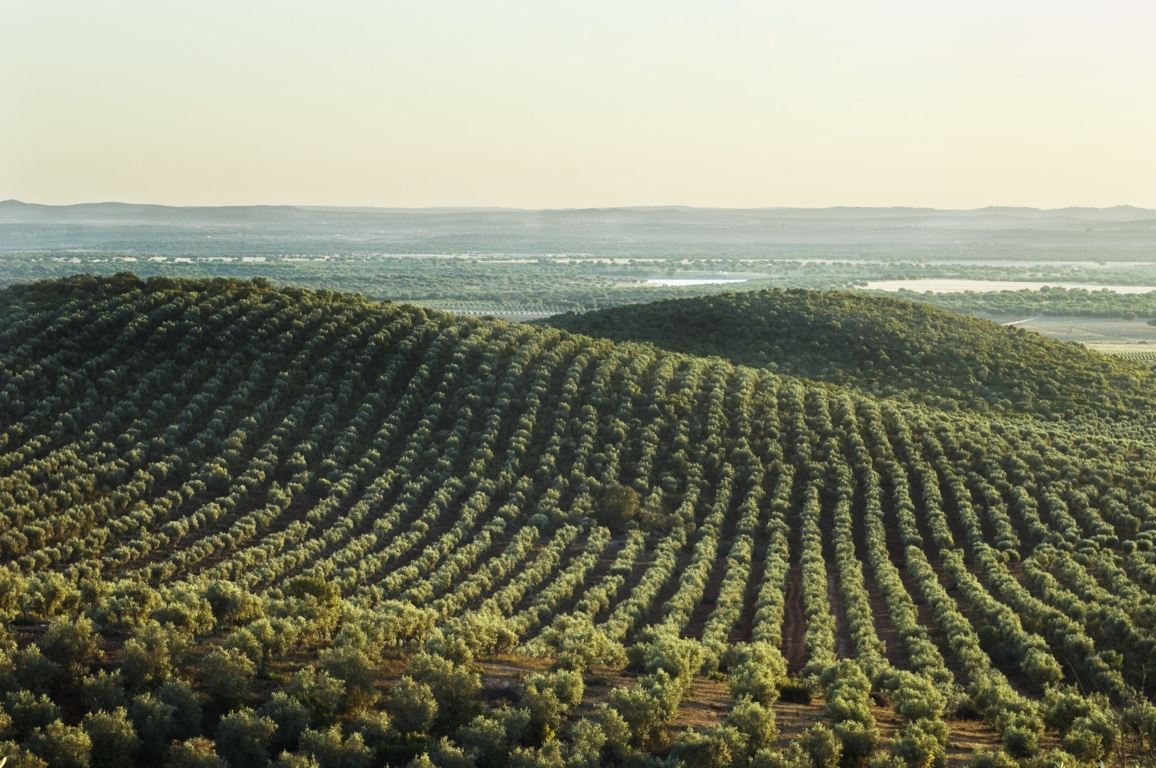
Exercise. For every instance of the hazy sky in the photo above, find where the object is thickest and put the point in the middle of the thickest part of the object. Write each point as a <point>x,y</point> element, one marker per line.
<point>554,103</point>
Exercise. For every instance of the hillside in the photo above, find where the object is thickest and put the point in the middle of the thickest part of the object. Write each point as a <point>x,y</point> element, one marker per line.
<point>237,521</point>
<point>885,346</point>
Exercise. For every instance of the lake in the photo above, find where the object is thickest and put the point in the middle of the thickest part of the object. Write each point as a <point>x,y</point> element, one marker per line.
<point>694,281</point>
<point>936,285</point>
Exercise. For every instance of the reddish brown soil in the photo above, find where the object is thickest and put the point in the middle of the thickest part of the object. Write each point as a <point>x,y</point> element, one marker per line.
<point>844,644</point>
<point>794,623</point>
<point>706,606</point>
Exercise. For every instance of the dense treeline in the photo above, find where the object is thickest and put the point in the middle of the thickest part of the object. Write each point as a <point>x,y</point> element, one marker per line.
<point>885,346</point>
<point>246,526</point>
<point>1049,301</point>
<point>594,273</point>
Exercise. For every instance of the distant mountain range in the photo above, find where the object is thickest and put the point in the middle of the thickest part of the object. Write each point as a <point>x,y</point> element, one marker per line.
<point>639,232</point>
<point>16,210</point>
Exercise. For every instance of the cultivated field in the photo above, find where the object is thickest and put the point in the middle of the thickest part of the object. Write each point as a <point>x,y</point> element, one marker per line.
<point>271,505</point>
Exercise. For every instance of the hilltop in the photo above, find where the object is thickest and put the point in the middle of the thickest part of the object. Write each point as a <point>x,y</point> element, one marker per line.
<point>886,347</point>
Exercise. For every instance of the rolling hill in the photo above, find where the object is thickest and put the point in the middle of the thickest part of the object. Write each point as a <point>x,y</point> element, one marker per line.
<point>248,524</point>
<point>885,347</point>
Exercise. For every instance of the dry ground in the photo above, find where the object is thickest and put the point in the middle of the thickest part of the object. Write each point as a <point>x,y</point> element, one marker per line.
<point>1090,331</point>
<point>709,701</point>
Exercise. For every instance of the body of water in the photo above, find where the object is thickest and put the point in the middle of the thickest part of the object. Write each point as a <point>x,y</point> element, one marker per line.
<point>694,281</point>
<point>936,285</point>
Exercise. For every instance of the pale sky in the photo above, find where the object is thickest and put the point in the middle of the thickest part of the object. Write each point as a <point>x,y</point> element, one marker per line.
<point>552,103</point>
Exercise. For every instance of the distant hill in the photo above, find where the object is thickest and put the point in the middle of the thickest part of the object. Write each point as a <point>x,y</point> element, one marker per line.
<point>884,346</point>
<point>729,223</point>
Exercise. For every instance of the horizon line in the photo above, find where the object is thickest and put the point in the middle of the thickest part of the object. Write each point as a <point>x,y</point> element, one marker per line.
<point>578,209</point>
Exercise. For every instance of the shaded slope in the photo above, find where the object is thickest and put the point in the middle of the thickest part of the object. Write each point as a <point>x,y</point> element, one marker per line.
<point>884,346</point>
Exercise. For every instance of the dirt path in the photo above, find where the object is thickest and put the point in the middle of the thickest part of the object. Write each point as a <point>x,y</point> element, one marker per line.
<point>794,623</point>
<point>844,645</point>
<point>706,606</point>
<point>896,651</point>
<point>744,627</point>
